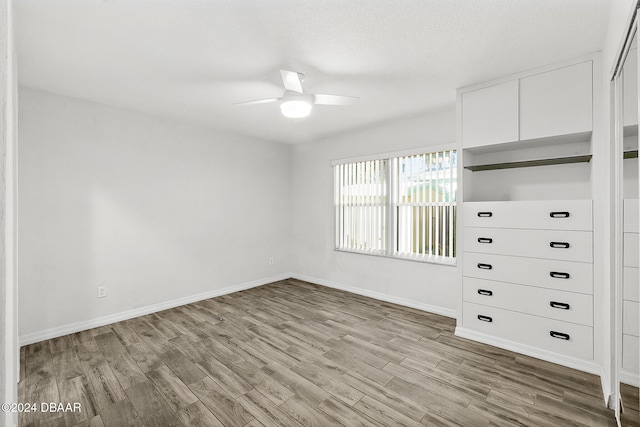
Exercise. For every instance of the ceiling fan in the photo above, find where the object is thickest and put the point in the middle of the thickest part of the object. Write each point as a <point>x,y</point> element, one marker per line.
<point>297,104</point>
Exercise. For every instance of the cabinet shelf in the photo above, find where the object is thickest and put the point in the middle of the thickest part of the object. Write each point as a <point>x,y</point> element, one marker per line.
<point>529,163</point>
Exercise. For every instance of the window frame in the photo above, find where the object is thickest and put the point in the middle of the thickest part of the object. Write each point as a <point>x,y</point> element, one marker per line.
<point>391,220</point>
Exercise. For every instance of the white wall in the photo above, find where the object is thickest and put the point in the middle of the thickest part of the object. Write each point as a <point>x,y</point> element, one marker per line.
<point>155,210</point>
<point>433,286</point>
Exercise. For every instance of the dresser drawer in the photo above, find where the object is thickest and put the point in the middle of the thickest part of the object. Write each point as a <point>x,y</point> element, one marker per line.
<point>548,334</point>
<point>631,218</point>
<point>549,244</point>
<point>559,305</point>
<point>631,278</point>
<point>545,214</point>
<point>545,273</point>
<point>630,254</point>
<point>630,358</point>
<point>630,318</point>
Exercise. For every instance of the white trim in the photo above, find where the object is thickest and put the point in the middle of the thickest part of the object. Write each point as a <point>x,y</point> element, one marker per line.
<point>392,154</point>
<point>425,259</point>
<point>571,362</point>
<point>11,349</point>
<point>607,394</point>
<point>614,334</point>
<point>559,359</point>
<point>141,311</point>
<point>630,377</point>
<point>443,311</point>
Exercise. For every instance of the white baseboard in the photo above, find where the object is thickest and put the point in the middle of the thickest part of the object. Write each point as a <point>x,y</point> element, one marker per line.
<point>443,311</point>
<point>629,377</point>
<point>607,393</point>
<point>559,359</point>
<point>141,311</point>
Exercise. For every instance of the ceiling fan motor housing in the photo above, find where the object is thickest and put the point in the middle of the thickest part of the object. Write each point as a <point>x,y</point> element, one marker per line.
<point>290,95</point>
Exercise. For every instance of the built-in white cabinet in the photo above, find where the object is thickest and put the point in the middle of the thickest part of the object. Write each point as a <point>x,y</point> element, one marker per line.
<point>548,104</point>
<point>630,318</point>
<point>546,215</point>
<point>631,290</point>
<point>630,346</point>
<point>490,115</point>
<point>554,274</point>
<point>557,102</point>
<point>630,250</point>
<point>526,284</point>
<point>525,229</point>
<point>566,306</point>
<point>566,245</point>
<point>534,332</point>
<point>630,216</point>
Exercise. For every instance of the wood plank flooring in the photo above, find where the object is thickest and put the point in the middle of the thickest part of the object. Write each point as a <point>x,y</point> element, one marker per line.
<point>630,416</point>
<point>296,354</point>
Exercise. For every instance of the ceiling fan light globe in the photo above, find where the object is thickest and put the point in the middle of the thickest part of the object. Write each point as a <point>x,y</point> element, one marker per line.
<point>296,109</point>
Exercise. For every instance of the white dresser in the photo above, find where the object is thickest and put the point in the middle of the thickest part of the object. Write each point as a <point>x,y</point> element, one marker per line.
<point>528,273</point>
<point>630,297</point>
<point>526,221</point>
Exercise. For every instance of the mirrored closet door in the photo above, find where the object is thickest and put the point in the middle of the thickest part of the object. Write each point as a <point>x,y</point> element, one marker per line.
<point>627,220</point>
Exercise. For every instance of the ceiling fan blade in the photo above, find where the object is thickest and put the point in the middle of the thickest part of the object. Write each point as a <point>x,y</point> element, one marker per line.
<point>257,101</point>
<point>291,81</point>
<point>324,99</point>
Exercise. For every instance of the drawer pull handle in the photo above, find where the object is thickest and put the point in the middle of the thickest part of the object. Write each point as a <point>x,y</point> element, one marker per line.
<point>560,305</point>
<point>484,266</point>
<point>485,292</point>
<point>559,335</point>
<point>559,214</point>
<point>485,240</point>
<point>485,214</point>
<point>559,275</point>
<point>485,318</point>
<point>559,245</point>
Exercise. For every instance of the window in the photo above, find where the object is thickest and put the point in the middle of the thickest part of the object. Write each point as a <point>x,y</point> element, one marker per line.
<point>401,206</point>
<point>361,206</point>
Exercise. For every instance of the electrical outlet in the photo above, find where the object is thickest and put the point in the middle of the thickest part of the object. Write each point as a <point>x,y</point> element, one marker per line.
<point>102,291</point>
<point>270,261</point>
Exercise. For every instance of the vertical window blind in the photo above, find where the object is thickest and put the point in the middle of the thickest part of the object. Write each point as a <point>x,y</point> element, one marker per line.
<point>426,204</point>
<point>402,206</point>
<point>361,206</point>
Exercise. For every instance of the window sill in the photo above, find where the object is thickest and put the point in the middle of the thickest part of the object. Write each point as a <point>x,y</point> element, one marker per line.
<point>448,262</point>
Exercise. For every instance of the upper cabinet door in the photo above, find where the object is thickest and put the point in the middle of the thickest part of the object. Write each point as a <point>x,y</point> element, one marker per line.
<point>490,115</point>
<point>557,102</point>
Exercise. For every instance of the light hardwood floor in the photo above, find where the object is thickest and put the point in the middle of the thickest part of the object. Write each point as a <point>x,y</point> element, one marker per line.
<point>291,353</point>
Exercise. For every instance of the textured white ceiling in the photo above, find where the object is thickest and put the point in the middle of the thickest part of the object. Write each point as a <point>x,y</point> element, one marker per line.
<point>192,60</point>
